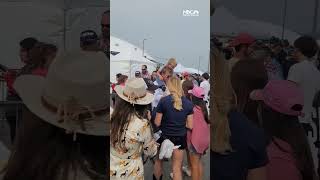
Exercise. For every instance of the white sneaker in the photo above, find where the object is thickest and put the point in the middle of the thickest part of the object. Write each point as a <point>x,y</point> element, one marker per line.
<point>186,170</point>
<point>171,175</point>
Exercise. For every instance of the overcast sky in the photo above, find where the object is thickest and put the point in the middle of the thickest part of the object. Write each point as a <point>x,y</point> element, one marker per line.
<point>169,33</point>
<point>299,16</point>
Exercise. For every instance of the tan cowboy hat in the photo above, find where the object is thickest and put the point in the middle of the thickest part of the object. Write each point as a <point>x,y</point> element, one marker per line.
<point>73,96</point>
<point>135,92</point>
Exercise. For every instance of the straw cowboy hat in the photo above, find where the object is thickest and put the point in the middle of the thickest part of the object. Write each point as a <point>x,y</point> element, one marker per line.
<point>135,92</point>
<point>73,96</point>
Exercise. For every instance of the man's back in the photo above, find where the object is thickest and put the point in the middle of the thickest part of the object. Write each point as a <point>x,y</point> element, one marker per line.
<point>206,86</point>
<point>307,76</point>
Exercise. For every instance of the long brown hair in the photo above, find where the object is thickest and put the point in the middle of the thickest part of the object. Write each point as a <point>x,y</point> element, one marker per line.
<point>246,76</point>
<point>289,129</point>
<point>186,86</point>
<point>43,151</point>
<point>120,119</point>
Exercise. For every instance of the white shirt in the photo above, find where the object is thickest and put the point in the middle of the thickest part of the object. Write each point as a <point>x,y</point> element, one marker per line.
<point>307,76</point>
<point>206,86</point>
<point>158,94</point>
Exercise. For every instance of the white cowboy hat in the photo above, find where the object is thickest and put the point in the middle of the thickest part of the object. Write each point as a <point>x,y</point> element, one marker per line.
<point>73,96</point>
<point>135,92</point>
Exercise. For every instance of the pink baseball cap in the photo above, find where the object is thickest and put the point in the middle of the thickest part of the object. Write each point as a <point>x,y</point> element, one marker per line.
<point>242,38</point>
<point>281,96</point>
<point>197,92</point>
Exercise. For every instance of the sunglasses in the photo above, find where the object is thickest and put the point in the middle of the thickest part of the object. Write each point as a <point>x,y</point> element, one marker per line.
<point>105,25</point>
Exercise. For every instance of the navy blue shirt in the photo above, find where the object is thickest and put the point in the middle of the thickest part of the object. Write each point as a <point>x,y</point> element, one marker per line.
<point>173,122</point>
<point>249,150</point>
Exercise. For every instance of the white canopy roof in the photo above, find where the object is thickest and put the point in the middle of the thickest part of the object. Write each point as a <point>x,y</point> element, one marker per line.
<point>180,69</point>
<point>193,71</point>
<point>127,58</point>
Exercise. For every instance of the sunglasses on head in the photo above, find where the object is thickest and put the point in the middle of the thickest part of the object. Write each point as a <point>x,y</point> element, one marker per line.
<point>105,25</point>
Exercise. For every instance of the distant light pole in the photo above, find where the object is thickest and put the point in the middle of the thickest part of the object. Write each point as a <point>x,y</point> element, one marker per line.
<point>284,18</point>
<point>199,65</point>
<point>143,46</point>
<point>315,17</point>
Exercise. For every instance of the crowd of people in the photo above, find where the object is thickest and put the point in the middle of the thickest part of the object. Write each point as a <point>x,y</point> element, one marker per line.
<point>265,125</point>
<point>60,132</point>
<point>160,115</point>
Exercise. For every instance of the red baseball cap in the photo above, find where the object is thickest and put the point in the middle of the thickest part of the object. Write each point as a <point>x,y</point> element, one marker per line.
<point>281,96</point>
<point>184,74</point>
<point>242,38</point>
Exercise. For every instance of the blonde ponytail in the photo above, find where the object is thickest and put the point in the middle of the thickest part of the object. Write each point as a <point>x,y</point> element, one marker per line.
<point>222,103</point>
<point>175,88</point>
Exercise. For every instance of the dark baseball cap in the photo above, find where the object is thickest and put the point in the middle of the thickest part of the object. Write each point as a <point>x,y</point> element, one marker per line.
<point>88,37</point>
<point>137,73</point>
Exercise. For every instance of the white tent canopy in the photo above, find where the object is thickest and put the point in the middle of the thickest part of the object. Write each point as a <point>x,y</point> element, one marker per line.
<point>127,58</point>
<point>180,69</point>
<point>224,22</point>
<point>193,71</point>
<point>59,22</point>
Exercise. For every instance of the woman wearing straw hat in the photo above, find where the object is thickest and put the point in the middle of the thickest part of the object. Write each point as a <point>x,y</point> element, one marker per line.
<point>131,131</point>
<point>174,116</point>
<point>63,134</point>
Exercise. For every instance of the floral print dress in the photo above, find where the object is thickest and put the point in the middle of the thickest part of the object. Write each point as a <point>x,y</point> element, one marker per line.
<point>128,164</point>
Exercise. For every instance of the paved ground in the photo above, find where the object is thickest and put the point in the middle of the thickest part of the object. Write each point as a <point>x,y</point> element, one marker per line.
<point>167,168</point>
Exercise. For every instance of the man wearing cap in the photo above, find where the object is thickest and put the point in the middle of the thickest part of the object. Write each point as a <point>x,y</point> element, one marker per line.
<point>241,45</point>
<point>89,41</point>
<point>185,76</point>
<point>145,73</point>
<point>137,74</point>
